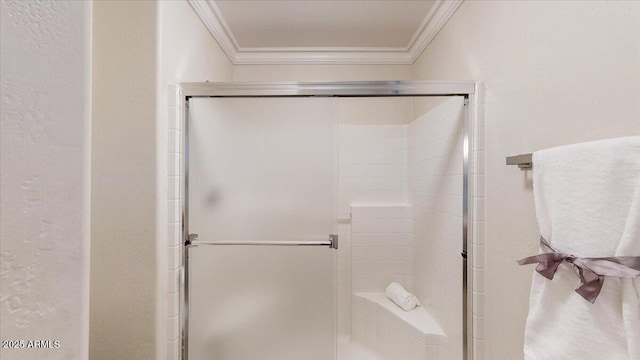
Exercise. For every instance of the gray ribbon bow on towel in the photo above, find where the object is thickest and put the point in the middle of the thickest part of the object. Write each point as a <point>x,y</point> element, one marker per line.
<point>590,271</point>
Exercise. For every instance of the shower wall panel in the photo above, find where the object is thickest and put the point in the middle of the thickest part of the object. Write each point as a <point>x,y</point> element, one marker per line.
<point>372,170</point>
<point>435,190</point>
<point>372,156</point>
<point>372,165</point>
<point>381,246</point>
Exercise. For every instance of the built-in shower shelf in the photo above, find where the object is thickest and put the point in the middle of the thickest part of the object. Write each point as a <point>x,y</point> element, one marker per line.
<point>382,326</point>
<point>417,322</point>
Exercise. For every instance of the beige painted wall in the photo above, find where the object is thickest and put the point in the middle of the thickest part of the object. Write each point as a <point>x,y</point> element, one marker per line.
<point>188,52</point>
<point>556,73</point>
<point>124,236</point>
<point>140,47</point>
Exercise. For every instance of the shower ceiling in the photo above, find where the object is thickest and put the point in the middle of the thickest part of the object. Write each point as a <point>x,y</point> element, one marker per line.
<point>329,31</point>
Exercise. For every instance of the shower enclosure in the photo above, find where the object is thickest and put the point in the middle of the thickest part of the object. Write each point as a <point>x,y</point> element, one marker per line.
<point>303,200</point>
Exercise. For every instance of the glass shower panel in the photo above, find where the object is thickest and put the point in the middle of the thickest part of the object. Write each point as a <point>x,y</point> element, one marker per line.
<point>261,170</point>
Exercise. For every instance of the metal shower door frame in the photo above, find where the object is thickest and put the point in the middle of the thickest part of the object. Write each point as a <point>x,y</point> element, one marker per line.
<point>466,89</point>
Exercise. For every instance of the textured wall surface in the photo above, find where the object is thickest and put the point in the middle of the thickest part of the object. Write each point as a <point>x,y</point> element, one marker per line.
<point>45,75</point>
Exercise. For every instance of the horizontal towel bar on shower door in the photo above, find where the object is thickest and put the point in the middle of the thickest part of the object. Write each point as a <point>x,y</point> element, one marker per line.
<point>332,242</point>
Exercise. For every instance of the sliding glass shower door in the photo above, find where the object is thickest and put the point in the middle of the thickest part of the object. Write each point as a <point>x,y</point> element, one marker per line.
<point>261,178</point>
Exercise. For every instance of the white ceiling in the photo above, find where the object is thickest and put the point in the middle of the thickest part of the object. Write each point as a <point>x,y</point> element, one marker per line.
<point>324,31</point>
<point>323,23</point>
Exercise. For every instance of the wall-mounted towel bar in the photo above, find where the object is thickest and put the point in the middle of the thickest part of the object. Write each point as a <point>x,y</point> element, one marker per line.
<point>524,161</point>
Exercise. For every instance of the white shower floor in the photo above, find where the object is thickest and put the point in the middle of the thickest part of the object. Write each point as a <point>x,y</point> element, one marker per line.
<point>348,350</point>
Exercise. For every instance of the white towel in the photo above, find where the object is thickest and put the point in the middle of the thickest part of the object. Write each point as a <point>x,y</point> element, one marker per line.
<point>587,200</point>
<point>630,245</point>
<point>406,300</point>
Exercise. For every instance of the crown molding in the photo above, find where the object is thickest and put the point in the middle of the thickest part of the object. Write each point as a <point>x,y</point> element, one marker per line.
<point>435,20</point>
<point>212,19</point>
<point>322,57</point>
